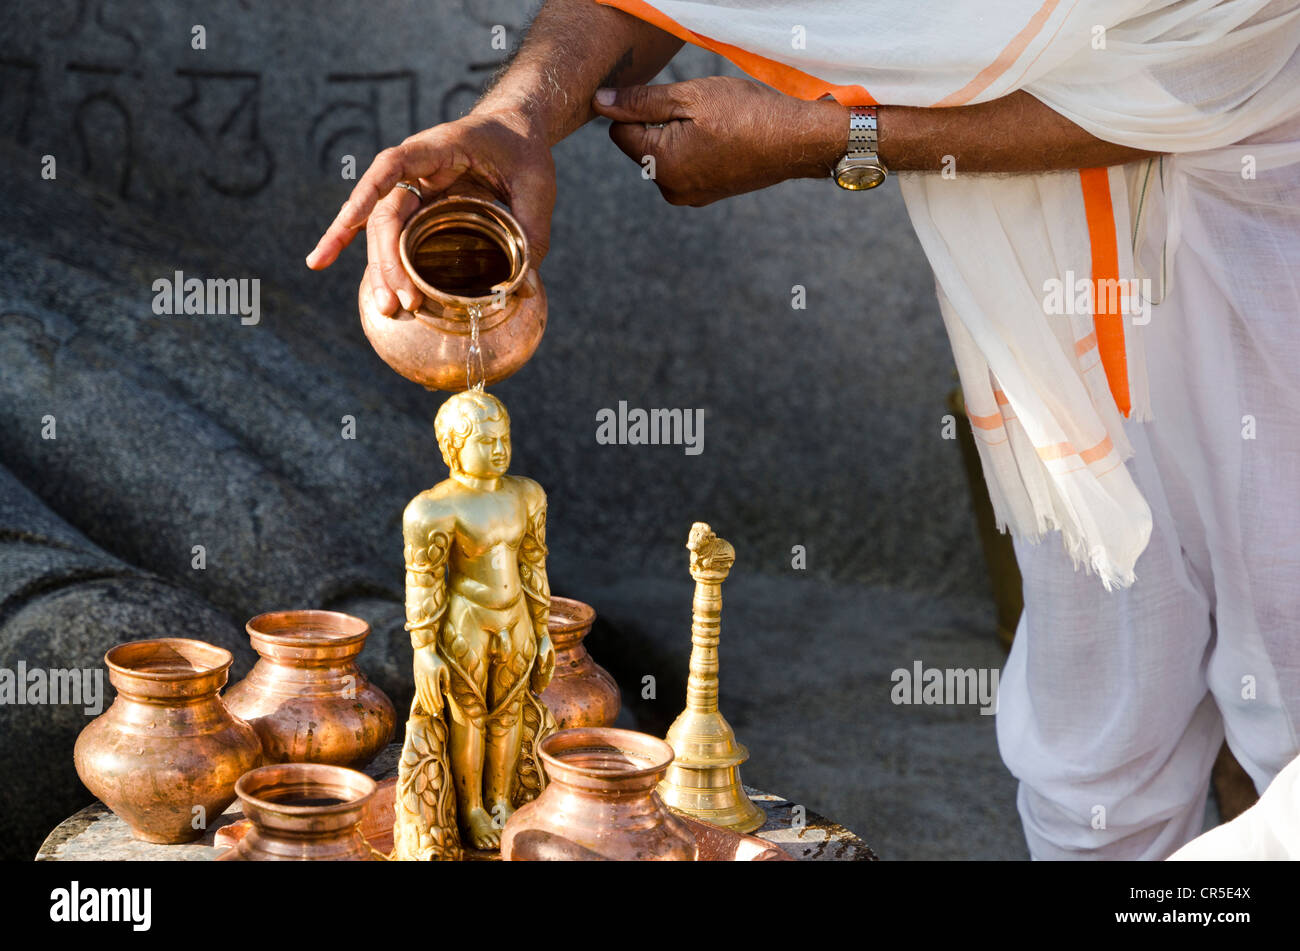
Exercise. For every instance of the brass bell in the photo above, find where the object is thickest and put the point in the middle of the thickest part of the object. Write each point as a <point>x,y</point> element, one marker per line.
<point>704,778</point>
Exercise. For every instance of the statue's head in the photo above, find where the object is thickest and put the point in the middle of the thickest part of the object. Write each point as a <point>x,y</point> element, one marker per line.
<point>473,430</point>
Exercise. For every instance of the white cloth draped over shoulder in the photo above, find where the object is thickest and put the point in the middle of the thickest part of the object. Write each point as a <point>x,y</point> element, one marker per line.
<point>1038,274</point>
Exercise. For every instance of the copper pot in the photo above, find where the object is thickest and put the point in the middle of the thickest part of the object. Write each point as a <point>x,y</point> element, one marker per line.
<point>464,255</point>
<point>600,802</point>
<point>165,756</point>
<point>306,697</point>
<point>581,693</point>
<point>303,812</point>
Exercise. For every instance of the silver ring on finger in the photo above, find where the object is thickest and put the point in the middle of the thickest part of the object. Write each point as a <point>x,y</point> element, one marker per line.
<point>412,189</point>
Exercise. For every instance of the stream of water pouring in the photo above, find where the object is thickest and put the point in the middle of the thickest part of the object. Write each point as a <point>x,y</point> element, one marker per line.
<point>474,355</point>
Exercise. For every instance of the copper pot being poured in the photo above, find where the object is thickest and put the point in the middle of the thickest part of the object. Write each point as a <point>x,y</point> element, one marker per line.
<point>484,308</point>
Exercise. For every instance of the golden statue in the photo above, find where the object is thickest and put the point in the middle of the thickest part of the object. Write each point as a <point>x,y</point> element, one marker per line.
<point>477,601</point>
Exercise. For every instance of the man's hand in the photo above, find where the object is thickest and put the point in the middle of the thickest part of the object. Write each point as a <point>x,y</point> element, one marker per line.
<point>500,150</point>
<point>488,155</point>
<point>723,136</point>
<point>432,680</point>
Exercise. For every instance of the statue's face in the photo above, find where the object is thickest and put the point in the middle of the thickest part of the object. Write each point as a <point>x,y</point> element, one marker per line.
<point>486,453</point>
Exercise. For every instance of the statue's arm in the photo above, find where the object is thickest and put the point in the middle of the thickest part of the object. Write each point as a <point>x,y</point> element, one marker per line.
<point>427,533</point>
<point>537,589</point>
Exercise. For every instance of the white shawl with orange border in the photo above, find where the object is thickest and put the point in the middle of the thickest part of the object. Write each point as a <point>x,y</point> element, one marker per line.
<point>1035,273</point>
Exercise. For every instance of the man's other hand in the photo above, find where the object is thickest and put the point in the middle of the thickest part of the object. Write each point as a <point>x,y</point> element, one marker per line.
<point>723,136</point>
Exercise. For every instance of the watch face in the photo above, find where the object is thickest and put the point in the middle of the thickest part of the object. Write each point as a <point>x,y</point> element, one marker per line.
<point>859,177</point>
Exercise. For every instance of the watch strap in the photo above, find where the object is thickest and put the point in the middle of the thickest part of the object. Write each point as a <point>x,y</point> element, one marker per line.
<point>862,132</point>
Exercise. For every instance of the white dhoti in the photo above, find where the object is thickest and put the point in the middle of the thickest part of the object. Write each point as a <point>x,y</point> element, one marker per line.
<point>1112,707</point>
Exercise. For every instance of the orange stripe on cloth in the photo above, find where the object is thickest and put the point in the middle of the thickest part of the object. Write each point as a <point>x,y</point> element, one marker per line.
<point>1006,59</point>
<point>986,422</point>
<point>1063,449</point>
<point>1109,327</point>
<point>791,81</point>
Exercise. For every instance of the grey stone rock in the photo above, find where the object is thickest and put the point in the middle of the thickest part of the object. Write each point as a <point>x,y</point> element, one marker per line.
<point>822,425</point>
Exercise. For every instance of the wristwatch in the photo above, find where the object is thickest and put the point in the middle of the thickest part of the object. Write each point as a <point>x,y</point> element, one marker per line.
<point>860,168</point>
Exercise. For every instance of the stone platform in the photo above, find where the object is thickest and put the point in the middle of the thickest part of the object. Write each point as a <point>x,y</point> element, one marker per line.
<point>96,835</point>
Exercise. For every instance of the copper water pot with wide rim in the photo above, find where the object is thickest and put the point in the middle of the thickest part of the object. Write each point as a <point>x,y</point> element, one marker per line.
<point>166,755</point>
<point>463,254</point>
<point>600,802</point>
<point>306,697</point>
<point>303,812</point>
<point>581,692</point>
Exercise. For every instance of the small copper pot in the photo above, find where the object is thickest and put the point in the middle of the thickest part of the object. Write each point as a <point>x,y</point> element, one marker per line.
<point>600,802</point>
<point>165,756</point>
<point>306,697</point>
<point>463,254</point>
<point>303,812</point>
<point>581,693</point>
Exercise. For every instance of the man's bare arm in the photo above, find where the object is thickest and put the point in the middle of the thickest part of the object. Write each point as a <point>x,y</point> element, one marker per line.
<point>502,148</point>
<point>1016,133</point>
<point>572,48</point>
<point>722,136</point>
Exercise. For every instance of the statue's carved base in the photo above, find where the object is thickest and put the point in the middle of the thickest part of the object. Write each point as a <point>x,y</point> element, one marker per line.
<point>425,799</point>
<point>425,827</point>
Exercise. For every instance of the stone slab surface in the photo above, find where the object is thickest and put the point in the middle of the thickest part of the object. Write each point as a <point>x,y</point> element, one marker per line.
<point>95,834</point>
